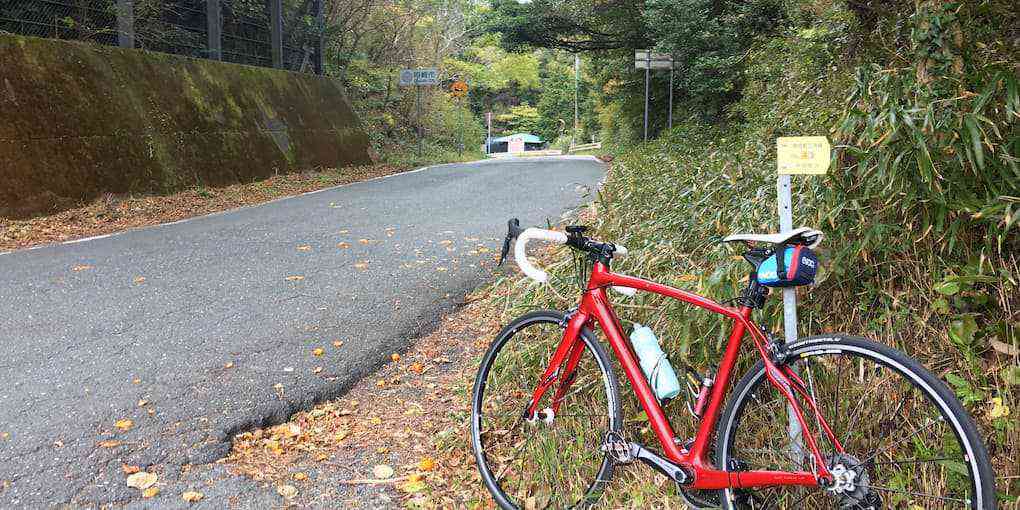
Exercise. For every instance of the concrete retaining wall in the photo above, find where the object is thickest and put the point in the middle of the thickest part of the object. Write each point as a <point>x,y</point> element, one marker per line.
<point>79,120</point>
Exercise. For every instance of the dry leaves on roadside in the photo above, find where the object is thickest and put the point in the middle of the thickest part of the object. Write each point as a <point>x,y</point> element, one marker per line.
<point>192,496</point>
<point>382,472</point>
<point>142,480</point>
<point>124,425</point>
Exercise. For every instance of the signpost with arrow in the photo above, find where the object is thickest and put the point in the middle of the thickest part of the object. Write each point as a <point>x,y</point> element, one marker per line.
<point>648,60</point>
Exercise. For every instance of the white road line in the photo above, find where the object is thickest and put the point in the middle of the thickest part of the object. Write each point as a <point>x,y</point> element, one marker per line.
<point>185,220</point>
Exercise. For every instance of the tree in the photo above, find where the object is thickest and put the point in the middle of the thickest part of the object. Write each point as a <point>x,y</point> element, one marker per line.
<point>709,41</point>
<point>571,25</point>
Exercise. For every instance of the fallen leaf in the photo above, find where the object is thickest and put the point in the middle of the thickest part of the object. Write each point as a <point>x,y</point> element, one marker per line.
<point>287,491</point>
<point>5,435</point>
<point>304,247</point>
<point>139,279</point>
<point>300,476</point>
<point>381,383</point>
<point>1003,347</point>
<point>364,241</point>
<point>192,496</point>
<point>229,364</point>
<point>338,343</point>
<point>274,446</point>
<point>81,267</point>
<point>58,444</point>
<point>109,443</point>
<point>151,411</point>
<point>151,492</point>
<point>426,464</point>
<point>343,245</point>
<point>142,480</point>
<point>295,278</point>
<point>141,403</point>
<point>414,486</point>
<point>382,471</point>
<point>361,265</point>
<point>417,367</point>
<point>130,470</point>
<point>136,381</point>
<point>395,357</point>
<point>382,449</point>
<point>375,420</point>
<point>998,410</point>
<point>124,424</point>
<point>316,370</point>
<point>318,351</point>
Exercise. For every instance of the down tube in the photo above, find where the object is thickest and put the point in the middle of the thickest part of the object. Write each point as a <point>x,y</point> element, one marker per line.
<point>596,301</point>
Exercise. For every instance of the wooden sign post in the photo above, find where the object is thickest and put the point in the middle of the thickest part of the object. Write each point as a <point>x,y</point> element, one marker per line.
<point>796,155</point>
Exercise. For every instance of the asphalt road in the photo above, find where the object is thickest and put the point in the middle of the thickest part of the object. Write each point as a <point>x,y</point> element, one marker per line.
<point>212,322</point>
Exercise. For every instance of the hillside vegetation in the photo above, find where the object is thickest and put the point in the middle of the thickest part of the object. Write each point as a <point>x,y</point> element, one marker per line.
<point>920,207</point>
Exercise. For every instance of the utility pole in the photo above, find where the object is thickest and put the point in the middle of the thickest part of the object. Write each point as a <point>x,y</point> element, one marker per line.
<point>488,136</point>
<point>671,96</point>
<point>647,80</point>
<point>577,76</point>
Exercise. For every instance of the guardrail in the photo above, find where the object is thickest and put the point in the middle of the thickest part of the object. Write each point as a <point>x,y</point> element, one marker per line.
<point>584,147</point>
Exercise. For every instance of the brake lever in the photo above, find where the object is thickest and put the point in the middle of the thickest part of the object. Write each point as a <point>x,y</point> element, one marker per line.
<point>513,230</point>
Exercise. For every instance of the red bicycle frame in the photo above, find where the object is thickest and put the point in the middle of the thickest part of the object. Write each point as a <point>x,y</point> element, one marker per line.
<point>595,307</point>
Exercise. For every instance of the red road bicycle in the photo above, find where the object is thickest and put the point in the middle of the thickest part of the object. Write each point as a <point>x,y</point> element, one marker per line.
<point>877,429</point>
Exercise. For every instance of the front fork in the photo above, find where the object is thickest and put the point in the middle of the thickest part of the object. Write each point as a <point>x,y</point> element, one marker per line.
<point>562,367</point>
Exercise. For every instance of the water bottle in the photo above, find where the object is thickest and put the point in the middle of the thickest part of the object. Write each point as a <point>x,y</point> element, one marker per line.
<point>654,364</point>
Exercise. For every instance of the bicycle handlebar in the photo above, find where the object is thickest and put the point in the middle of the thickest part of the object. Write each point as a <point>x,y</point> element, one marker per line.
<point>552,236</point>
<point>521,257</point>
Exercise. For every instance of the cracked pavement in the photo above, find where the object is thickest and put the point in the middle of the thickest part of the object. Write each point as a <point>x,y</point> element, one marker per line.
<point>84,339</point>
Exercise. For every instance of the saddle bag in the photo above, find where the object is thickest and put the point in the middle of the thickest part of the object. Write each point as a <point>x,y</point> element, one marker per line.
<point>795,268</point>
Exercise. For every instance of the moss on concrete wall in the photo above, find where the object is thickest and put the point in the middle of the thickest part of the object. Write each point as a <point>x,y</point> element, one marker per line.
<point>78,120</point>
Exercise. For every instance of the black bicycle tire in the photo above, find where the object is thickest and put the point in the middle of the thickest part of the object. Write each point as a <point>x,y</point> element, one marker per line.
<point>612,388</point>
<point>978,454</point>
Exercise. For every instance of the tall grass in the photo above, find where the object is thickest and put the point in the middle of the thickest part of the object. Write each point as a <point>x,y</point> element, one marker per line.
<point>920,207</point>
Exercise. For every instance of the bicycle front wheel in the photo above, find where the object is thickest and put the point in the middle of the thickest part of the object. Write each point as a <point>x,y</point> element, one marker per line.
<point>907,441</point>
<point>554,460</point>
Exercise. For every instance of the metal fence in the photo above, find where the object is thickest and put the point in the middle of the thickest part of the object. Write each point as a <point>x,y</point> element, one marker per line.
<point>286,34</point>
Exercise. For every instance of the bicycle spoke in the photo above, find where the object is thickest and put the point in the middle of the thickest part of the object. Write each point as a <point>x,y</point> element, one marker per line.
<point>894,429</point>
<point>922,461</point>
<point>921,494</point>
<point>901,441</point>
<point>556,464</point>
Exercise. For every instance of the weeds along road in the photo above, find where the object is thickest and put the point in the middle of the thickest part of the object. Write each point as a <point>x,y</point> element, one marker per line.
<point>197,330</point>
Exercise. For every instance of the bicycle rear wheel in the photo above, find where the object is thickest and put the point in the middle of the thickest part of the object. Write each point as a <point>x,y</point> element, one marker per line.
<point>908,443</point>
<point>552,461</point>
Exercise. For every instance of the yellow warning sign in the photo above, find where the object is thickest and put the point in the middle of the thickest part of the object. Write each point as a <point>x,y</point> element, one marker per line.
<point>802,155</point>
<point>459,88</point>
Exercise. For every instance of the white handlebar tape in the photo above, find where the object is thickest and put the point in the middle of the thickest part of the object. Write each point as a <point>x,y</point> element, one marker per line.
<point>521,257</point>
